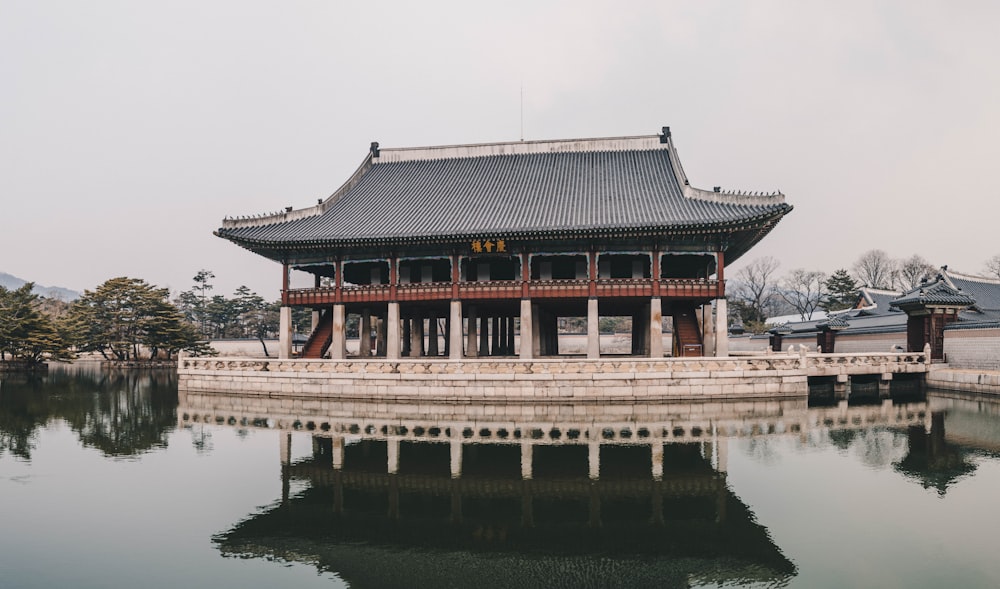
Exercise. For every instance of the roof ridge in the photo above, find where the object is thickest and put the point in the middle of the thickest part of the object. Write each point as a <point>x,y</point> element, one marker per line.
<point>471,150</point>
<point>290,214</point>
<point>715,195</point>
<point>971,277</point>
<point>885,291</point>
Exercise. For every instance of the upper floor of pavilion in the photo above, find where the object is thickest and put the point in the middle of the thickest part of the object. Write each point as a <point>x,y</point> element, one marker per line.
<point>567,195</point>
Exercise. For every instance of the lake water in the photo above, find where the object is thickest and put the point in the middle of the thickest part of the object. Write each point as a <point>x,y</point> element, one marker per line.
<point>105,482</point>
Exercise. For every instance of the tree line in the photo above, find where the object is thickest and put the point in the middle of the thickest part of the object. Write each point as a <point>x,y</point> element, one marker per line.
<point>758,291</point>
<point>127,319</point>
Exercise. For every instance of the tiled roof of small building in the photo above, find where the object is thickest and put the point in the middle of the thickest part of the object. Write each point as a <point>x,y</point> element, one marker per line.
<point>557,188</point>
<point>985,290</point>
<point>938,292</point>
<point>834,322</point>
<point>877,301</point>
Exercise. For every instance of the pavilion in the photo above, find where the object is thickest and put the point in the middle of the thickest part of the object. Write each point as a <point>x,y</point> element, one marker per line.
<point>450,251</point>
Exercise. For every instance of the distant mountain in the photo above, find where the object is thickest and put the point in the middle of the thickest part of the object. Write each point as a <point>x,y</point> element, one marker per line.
<point>53,292</point>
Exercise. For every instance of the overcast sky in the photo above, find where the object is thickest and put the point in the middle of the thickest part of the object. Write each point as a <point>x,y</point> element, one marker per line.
<point>129,129</point>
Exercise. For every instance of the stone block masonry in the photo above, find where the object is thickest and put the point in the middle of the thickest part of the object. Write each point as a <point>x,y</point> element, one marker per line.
<point>522,381</point>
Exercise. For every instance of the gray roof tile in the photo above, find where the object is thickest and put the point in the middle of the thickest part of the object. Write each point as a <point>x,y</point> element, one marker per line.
<point>555,192</point>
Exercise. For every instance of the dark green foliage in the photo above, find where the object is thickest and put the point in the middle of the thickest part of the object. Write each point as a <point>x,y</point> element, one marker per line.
<point>126,319</point>
<point>842,292</point>
<point>27,334</point>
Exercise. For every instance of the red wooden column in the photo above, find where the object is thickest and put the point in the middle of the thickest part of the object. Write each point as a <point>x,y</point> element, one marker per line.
<point>455,275</point>
<point>284,283</point>
<point>338,281</point>
<point>393,277</point>
<point>655,272</point>
<point>525,274</point>
<point>720,273</point>
<point>592,262</point>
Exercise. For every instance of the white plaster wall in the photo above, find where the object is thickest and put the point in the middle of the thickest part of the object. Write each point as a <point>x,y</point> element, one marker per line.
<point>973,348</point>
<point>870,342</point>
<point>745,344</point>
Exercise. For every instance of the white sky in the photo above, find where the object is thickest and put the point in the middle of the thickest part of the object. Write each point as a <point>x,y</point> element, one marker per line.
<point>129,129</point>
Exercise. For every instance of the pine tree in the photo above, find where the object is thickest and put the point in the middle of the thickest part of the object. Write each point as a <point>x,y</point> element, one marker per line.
<point>842,291</point>
<point>27,333</point>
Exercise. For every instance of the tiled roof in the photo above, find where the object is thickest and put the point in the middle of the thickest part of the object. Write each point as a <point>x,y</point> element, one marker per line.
<point>877,301</point>
<point>986,291</point>
<point>938,292</point>
<point>556,188</point>
<point>834,322</point>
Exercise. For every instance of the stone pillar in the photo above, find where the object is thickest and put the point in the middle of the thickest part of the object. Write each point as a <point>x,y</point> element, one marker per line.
<point>455,331</point>
<point>707,331</point>
<point>594,460</point>
<point>392,450</point>
<point>338,346</point>
<point>535,330</point>
<point>721,328</point>
<point>657,453</point>
<point>885,385</point>
<point>285,333</point>
<point>365,333</point>
<point>484,336</point>
<point>392,338</point>
<point>314,321</point>
<point>407,343</point>
<point>473,344</point>
<point>500,349</point>
<point>527,351</point>
<point>527,468</point>
<point>380,336</point>
<point>285,447</point>
<point>337,445</point>
<point>456,458</point>
<point>417,337</point>
<point>722,451</point>
<point>510,335</point>
<point>593,330</point>
<point>432,336</point>
<point>496,337</point>
<point>655,328</point>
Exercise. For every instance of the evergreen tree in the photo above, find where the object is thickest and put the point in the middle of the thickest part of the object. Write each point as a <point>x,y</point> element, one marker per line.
<point>128,319</point>
<point>842,291</point>
<point>26,332</point>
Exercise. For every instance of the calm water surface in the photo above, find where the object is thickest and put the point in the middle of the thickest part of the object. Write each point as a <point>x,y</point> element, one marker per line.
<point>105,483</point>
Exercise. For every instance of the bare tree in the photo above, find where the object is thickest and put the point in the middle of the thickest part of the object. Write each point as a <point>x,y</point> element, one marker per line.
<point>913,270</point>
<point>754,290</point>
<point>993,266</point>
<point>876,269</point>
<point>803,290</point>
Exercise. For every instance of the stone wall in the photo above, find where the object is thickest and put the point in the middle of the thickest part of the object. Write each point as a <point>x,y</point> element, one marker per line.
<point>943,376</point>
<point>870,342</point>
<point>501,381</point>
<point>972,348</point>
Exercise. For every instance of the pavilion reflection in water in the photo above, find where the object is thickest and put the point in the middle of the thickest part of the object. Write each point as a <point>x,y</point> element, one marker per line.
<point>442,495</point>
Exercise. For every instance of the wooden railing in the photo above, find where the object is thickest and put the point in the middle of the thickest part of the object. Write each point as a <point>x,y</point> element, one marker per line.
<point>677,288</point>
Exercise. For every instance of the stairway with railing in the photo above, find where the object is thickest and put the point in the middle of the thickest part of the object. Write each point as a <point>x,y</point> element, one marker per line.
<point>320,339</point>
<point>687,333</point>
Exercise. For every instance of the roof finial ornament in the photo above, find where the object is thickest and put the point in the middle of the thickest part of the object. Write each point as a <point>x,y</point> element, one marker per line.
<point>374,148</point>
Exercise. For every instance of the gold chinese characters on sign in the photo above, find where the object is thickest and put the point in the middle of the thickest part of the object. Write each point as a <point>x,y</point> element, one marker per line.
<point>489,246</point>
